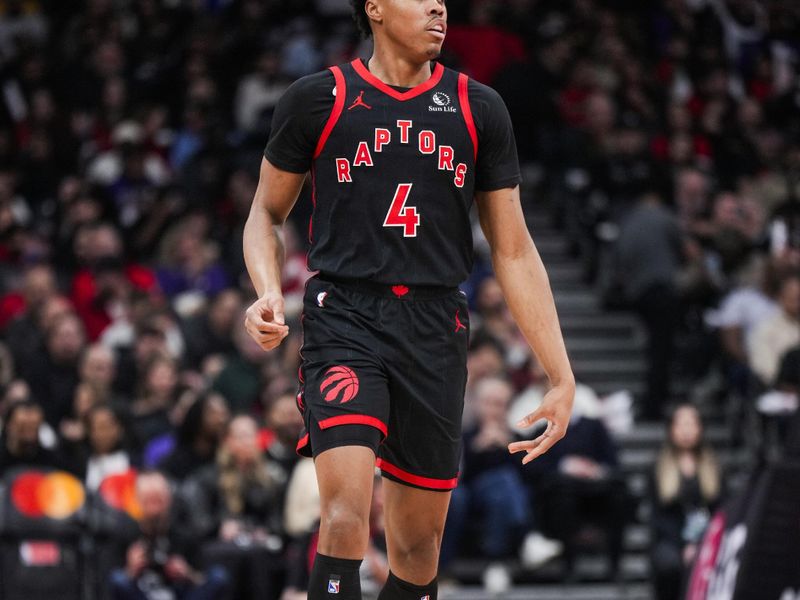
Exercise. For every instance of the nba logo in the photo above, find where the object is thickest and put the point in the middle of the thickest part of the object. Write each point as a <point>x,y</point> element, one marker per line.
<point>426,597</point>
<point>333,586</point>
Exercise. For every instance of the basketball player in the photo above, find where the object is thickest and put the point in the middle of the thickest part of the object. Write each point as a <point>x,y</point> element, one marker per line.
<point>397,148</point>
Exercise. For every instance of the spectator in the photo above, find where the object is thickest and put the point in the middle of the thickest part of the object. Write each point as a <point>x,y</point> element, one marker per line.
<point>38,284</point>
<point>235,507</point>
<point>72,428</point>
<point>240,378</point>
<point>24,334</point>
<point>482,47</point>
<point>258,93</point>
<point>210,332</point>
<point>496,320</point>
<point>107,445</point>
<point>149,343</point>
<point>198,437</point>
<point>17,390</point>
<point>285,423</point>
<point>649,253</point>
<point>301,524</point>
<point>102,288</point>
<point>53,375</point>
<point>773,336</point>
<point>578,484</point>
<point>162,561</point>
<point>21,445</point>
<point>156,398</point>
<point>484,359</point>
<point>98,367</point>
<point>302,508</point>
<point>490,484</point>
<point>239,192</point>
<point>131,176</point>
<point>692,203</point>
<point>686,488</point>
<point>189,261</point>
<point>739,313</point>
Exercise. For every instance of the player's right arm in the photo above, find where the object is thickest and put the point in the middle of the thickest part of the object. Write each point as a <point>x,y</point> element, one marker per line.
<point>296,127</point>
<point>275,196</point>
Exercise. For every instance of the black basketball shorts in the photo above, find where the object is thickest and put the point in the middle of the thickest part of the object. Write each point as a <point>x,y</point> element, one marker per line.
<point>385,367</point>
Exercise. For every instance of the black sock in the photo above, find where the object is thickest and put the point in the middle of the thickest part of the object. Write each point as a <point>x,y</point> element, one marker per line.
<point>334,578</point>
<point>397,589</point>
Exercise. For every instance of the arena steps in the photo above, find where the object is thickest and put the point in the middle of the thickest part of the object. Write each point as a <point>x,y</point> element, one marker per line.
<point>555,592</point>
<point>589,571</point>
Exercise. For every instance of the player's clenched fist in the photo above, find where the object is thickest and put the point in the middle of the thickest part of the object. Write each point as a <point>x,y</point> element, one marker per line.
<point>264,321</point>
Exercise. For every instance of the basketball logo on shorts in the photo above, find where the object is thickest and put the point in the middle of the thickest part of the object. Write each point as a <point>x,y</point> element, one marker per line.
<point>339,383</point>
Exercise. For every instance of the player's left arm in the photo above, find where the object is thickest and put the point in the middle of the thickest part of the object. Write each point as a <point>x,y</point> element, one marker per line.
<point>522,276</point>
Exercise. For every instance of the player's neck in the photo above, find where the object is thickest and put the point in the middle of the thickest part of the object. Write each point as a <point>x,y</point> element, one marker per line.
<point>395,70</point>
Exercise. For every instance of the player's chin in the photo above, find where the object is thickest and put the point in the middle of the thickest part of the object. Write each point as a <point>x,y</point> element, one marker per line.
<point>433,51</point>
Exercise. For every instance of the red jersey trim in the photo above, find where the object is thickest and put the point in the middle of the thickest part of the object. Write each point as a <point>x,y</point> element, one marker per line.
<point>426,482</point>
<point>463,100</point>
<point>338,106</point>
<point>423,87</point>
<point>355,420</point>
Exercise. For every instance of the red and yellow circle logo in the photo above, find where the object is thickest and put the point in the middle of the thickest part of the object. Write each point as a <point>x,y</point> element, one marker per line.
<point>57,495</point>
<point>119,492</point>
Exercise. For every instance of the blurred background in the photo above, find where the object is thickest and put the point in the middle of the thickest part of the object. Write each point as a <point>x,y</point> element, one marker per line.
<point>147,446</point>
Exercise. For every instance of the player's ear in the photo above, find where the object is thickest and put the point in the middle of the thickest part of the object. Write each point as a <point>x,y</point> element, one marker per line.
<point>374,11</point>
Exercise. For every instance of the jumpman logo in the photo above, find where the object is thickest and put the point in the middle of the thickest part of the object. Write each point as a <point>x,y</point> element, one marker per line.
<point>459,324</point>
<point>360,102</point>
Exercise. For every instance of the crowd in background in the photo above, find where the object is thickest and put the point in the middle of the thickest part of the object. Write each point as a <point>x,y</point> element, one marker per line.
<point>664,135</point>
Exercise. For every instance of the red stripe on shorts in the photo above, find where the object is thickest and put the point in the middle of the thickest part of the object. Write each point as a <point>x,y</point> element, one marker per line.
<point>355,420</point>
<point>426,482</point>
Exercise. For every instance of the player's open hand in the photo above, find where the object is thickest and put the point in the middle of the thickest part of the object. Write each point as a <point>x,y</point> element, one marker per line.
<point>556,408</point>
<point>264,321</point>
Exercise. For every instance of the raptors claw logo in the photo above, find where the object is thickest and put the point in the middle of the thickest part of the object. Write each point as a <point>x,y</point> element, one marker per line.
<point>340,383</point>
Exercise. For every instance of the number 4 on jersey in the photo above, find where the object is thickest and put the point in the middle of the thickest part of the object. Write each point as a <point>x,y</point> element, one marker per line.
<point>400,215</point>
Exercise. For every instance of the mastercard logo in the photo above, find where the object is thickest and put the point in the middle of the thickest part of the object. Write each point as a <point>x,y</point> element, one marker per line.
<point>119,492</point>
<point>57,495</point>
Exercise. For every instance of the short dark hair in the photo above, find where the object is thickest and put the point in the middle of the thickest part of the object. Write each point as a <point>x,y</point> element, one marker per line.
<point>361,18</point>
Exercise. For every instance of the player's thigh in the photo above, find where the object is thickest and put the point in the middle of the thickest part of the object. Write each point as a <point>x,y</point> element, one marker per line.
<point>414,519</point>
<point>346,474</point>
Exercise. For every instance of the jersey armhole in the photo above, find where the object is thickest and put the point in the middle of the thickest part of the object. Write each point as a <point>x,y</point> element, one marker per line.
<point>466,111</point>
<point>338,105</point>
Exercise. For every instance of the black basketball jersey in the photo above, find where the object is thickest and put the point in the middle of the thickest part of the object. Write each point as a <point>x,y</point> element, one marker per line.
<point>393,174</point>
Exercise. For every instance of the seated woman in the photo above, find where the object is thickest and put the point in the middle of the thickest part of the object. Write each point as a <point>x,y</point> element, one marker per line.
<point>107,441</point>
<point>198,437</point>
<point>235,508</point>
<point>157,397</point>
<point>685,489</point>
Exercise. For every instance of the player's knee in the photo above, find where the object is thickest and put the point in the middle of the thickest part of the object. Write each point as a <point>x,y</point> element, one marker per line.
<point>422,548</point>
<point>343,521</point>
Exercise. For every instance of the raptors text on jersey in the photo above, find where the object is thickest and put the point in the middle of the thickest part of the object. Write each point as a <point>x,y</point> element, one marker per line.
<point>393,170</point>
<point>393,180</point>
